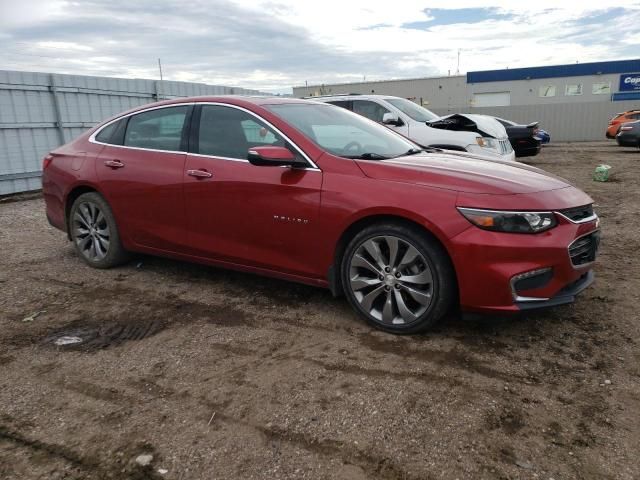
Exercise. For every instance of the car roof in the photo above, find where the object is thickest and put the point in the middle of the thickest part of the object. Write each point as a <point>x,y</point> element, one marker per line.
<point>239,100</point>
<point>350,96</point>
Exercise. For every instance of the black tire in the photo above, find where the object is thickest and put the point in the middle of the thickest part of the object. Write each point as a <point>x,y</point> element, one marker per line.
<point>83,217</point>
<point>442,289</point>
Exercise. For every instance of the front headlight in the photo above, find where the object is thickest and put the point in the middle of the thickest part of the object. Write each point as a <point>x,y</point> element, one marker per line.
<point>512,222</point>
<point>487,142</point>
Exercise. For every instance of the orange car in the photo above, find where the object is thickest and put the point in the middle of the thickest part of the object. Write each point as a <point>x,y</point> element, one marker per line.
<point>619,119</point>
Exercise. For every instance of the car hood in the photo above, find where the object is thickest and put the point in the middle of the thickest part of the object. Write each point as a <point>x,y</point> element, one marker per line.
<point>463,172</point>
<point>485,125</point>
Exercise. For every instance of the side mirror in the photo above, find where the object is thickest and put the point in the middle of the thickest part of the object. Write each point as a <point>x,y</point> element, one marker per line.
<point>391,119</point>
<point>273,157</point>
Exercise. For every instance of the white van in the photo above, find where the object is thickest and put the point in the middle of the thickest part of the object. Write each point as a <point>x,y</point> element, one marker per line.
<point>478,134</point>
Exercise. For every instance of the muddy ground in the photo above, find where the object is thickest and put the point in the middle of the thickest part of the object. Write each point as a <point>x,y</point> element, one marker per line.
<point>222,375</point>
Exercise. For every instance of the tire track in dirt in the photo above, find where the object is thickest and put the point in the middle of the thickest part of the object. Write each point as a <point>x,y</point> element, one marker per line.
<point>375,466</point>
<point>93,467</point>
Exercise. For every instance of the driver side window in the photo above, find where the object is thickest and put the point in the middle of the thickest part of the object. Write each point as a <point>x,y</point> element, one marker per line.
<point>229,133</point>
<point>368,109</point>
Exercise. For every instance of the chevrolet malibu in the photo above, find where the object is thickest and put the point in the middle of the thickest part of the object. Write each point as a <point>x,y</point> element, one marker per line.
<point>313,193</point>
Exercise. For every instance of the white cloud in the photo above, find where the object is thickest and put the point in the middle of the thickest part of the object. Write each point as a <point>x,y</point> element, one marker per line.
<point>273,44</point>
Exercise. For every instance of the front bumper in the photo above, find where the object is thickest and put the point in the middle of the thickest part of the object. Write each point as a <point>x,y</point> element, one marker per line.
<point>528,149</point>
<point>564,296</point>
<point>488,262</point>
<point>625,139</point>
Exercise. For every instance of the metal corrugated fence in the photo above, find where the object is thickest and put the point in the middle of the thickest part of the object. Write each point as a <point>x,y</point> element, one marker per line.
<point>41,111</point>
<point>565,122</point>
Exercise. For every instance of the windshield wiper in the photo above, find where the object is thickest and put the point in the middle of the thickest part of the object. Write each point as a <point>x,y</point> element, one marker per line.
<point>367,156</point>
<point>413,151</point>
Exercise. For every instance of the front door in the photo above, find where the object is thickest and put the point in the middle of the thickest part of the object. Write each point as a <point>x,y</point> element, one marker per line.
<point>241,213</point>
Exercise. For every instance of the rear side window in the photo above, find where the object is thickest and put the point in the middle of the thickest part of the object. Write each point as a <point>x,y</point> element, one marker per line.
<point>112,133</point>
<point>159,129</point>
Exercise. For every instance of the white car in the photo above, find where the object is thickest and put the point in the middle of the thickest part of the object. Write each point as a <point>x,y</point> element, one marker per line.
<point>477,134</point>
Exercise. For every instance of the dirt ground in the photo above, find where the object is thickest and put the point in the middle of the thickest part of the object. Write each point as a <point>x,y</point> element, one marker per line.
<point>222,375</point>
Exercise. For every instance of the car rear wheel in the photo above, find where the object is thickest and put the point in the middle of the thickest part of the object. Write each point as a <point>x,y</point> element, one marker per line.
<point>94,232</point>
<point>398,278</point>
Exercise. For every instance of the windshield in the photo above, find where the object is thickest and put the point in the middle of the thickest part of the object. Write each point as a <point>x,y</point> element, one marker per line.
<point>342,132</point>
<point>415,111</point>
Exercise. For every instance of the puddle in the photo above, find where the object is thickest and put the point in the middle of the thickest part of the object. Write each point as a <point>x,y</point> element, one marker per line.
<point>104,335</point>
<point>66,340</point>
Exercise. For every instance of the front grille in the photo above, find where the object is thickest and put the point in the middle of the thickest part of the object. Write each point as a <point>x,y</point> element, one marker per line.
<point>584,249</point>
<point>505,146</point>
<point>578,214</point>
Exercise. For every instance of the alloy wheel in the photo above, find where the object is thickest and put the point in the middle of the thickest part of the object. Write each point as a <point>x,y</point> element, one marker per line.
<point>391,280</point>
<point>91,231</point>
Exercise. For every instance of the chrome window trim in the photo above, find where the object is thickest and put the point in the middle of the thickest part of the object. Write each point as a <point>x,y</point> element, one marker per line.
<point>92,138</point>
<point>213,157</point>
<point>270,125</point>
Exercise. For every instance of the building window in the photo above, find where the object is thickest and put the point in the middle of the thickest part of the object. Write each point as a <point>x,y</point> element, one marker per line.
<point>573,89</point>
<point>547,91</point>
<point>603,88</point>
<point>492,99</point>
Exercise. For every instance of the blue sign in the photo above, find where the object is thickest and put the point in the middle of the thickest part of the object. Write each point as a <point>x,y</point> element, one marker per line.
<point>629,82</point>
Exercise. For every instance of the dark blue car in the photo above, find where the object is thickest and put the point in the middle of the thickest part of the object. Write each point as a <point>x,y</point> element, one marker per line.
<point>543,136</point>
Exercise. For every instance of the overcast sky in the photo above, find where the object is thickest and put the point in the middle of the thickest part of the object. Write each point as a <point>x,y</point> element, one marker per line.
<point>274,44</point>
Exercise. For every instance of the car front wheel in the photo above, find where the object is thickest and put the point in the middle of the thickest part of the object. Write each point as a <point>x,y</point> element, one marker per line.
<point>398,278</point>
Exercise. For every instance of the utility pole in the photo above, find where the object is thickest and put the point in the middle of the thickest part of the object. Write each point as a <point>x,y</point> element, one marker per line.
<point>158,85</point>
<point>458,67</point>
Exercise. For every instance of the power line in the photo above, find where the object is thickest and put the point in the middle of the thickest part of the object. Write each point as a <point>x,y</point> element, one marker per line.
<point>9,52</point>
<point>51,47</point>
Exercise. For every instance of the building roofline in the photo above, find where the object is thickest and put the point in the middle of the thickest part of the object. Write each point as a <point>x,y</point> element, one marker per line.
<point>525,73</point>
<point>317,85</point>
<point>555,71</point>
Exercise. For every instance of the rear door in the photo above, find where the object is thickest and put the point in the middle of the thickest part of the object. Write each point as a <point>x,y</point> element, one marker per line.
<point>244,214</point>
<point>141,173</point>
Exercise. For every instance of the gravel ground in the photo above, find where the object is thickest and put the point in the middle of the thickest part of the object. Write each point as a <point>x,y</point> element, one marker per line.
<point>222,375</point>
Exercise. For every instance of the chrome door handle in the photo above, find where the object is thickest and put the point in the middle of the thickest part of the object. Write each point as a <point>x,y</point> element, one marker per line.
<point>199,174</point>
<point>114,163</point>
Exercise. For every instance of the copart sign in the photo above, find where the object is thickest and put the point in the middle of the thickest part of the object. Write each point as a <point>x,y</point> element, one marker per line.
<point>629,81</point>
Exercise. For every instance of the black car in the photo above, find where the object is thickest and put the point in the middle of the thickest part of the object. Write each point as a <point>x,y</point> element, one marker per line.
<point>523,138</point>
<point>629,134</point>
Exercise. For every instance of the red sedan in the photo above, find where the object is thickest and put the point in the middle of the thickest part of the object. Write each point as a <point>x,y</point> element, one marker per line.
<point>313,193</point>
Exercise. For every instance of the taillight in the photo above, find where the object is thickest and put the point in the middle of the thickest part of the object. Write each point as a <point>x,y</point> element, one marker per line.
<point>46,161</point>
